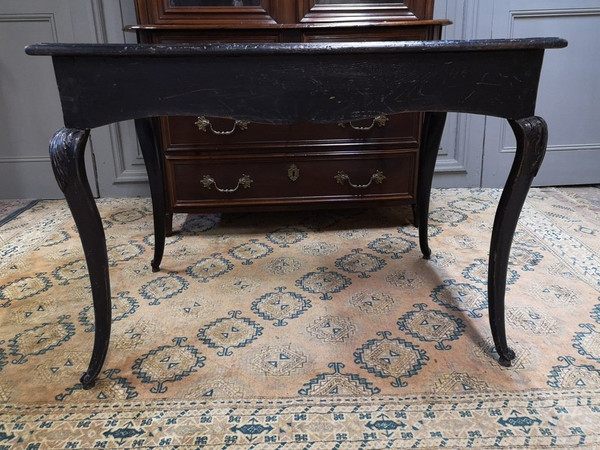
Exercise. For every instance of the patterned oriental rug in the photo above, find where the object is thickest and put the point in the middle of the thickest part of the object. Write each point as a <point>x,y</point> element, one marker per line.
<point>313,329</point>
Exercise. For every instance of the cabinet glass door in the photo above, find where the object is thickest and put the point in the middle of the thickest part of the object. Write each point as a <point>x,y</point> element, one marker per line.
<point>213,3</point>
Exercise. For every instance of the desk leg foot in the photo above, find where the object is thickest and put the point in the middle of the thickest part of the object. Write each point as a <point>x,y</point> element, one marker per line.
<point>88,380</point>
<point>506,360</point>
<point>66,155</point>
<point>433,127</point>
<point>147,138</point>
<point>531,135</point>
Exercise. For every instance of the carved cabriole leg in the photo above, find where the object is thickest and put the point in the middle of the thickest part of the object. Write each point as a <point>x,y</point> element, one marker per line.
<point>152,158</point>
<point>433,127</point>
<point>66,155</point>
<point>531,134</point>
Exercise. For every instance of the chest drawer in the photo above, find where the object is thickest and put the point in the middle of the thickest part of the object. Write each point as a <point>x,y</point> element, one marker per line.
<point>270,180</point>
<point>197,134</point>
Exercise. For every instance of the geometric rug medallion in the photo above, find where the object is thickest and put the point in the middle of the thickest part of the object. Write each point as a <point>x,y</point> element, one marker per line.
<point>310,329</point>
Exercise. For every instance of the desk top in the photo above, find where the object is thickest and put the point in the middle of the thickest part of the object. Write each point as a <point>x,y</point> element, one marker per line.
<point>293,48</point>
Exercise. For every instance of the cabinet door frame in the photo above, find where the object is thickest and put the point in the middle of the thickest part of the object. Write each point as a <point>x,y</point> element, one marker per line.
<point>160,12</point>
<point>310,11</point>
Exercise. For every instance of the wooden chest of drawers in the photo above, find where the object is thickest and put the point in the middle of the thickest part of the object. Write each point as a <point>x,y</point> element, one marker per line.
<point>223,164</point>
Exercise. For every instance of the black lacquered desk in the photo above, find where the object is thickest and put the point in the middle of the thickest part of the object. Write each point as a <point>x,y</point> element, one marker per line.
<point>322,83</point>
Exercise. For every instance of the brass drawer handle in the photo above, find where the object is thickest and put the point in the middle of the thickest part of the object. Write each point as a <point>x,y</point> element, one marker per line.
<point>377,177</point>
<point>202,123</point>
<point>245,181</point>
<point>380,120</point>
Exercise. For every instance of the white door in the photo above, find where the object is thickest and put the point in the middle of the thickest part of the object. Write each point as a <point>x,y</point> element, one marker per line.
<point>29,100</point>
<point>476,151</point>
<point>30,110</point>
<point>569,93</point>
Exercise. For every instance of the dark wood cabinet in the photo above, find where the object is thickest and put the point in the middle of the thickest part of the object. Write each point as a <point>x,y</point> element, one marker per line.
<point>224,164</point>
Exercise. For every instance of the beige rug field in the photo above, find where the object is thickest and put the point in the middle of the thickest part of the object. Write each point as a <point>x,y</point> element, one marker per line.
<point>313,329</point>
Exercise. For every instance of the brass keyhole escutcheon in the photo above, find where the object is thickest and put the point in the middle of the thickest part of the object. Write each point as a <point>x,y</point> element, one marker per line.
<point>293,172</point>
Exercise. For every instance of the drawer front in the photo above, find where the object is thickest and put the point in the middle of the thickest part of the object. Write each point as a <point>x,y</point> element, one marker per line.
<point>185,133</point>
<point>205,183</point>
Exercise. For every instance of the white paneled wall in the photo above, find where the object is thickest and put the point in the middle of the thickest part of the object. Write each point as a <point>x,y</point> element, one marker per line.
<point>569,94</point>
<point>568,97</point>
<point>29,105</point>
<point>475,150</point>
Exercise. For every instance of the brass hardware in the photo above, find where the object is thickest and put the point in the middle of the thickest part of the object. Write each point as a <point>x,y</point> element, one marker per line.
<point>202,123</point>
<point>379,120</point>
<point>377,177</point>
<point>245,181</point>
<point>293,172</point>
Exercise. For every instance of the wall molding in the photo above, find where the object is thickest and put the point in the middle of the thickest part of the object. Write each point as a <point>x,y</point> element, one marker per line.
<point>123,174</point>
<point>570,12</point>
<point>559,148</point>
<point>546,13</point>
<point>37,17</point>
<point>453,155</point>
<point>24,159</point>
<point>26,17</point>
<point>455,160</point>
